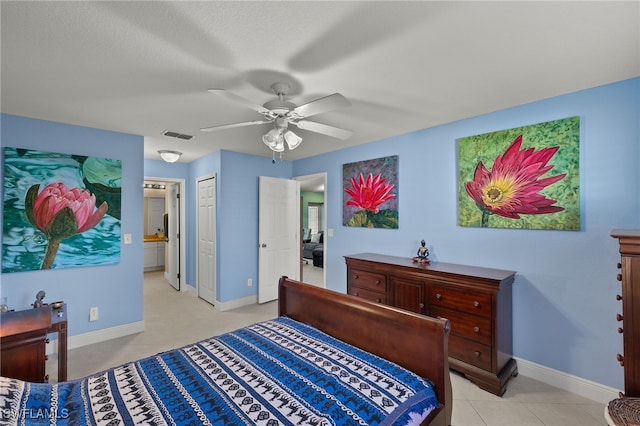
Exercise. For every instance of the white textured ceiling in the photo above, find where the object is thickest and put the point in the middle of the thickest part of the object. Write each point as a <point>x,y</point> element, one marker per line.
<point>144,67</point>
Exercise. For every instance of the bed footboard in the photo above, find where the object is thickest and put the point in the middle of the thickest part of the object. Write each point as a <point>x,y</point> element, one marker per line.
<point>416,342</point>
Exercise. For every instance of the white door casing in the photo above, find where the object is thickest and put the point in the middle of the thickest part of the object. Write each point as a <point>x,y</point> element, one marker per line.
<point>181,253</point>
<point>207,239</point>
<point>279,239</point>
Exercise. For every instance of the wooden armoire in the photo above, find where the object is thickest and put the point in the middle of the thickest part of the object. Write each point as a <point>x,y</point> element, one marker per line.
<point>629,295</point>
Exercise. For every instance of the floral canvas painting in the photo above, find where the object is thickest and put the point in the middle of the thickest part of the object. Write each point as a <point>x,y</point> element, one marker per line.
<point>371,193</point>
<point>60,210</point>
<point>526,177</point>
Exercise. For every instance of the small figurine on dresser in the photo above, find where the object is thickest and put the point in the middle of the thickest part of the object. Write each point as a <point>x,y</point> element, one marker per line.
<point>423,253</point>
<point>39,297</point>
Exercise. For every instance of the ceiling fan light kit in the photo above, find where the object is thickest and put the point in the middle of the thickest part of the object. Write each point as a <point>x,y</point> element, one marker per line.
<point>273,139</point>
<point>169,156</point>
<point>282,113</point>
<point>292,139</point>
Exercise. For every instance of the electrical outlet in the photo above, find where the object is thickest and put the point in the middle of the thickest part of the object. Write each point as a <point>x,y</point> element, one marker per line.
<point>93,314</point>
<point>250,282</point>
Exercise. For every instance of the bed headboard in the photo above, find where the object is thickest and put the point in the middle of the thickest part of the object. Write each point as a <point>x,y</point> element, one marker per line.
<point>416,342</point>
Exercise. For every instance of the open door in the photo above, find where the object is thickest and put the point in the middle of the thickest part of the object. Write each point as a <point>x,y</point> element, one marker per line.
<point>172,235</point>
<point>279,238</point>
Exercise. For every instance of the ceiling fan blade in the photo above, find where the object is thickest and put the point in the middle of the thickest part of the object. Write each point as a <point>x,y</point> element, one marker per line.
<point>239,99</point>
<point>233,125</point>
<point>327,103</point>
<point>325,129</point>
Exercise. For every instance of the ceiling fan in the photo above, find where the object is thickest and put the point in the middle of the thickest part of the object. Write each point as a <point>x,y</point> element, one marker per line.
<point>282,113</point>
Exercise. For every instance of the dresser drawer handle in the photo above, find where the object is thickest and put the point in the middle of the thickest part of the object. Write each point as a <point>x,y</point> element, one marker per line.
<point>620,330</point>
<point>438,296</point>
<point>477,354</point>
<point>620,359</point>
<point>476,304</point>
<point>619,277</point>
<point>619,317</point>
<point>357,276</point>
<point>379,300</point>
<point>476,329</point>
<point>618,297</point>
<point>377,282</point>
<point>356,293</point>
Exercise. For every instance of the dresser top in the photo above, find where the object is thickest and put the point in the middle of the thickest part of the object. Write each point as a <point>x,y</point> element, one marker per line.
<point>436,267</point>
<point>618,233</point>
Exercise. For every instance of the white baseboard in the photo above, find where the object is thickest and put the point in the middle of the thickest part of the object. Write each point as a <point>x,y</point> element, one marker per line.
<point>223,306</point>
<point>98,336</point>
<point>567,382</point>
<point>236,303</point>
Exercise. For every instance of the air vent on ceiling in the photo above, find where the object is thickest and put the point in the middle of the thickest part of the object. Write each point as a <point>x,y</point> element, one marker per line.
<point>176,135</point>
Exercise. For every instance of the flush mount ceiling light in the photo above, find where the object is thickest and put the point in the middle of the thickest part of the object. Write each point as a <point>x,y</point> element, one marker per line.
<point>169,156</point>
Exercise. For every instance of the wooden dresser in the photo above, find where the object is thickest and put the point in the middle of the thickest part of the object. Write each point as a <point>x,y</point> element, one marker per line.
<point>477,302</point>
<point>629,276</point>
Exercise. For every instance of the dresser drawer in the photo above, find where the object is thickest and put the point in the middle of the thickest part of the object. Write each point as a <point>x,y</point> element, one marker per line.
<point>459,300</point>
<point>367,280</point>
<point>365,293</point>
<point>470,326</point>
<point>470,351</point>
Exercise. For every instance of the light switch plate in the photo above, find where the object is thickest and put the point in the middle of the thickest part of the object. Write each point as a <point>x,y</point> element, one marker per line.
<point>127,238</point>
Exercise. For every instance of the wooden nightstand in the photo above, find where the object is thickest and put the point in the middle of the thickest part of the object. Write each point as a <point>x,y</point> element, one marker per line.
<point>23,339</point>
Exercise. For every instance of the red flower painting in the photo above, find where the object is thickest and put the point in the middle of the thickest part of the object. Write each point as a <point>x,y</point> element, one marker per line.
<point>370,196</point>
<point>369,193</point>
<point>512,187</point>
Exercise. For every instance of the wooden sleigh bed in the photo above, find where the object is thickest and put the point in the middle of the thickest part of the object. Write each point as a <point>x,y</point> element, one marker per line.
<point>326,354</point>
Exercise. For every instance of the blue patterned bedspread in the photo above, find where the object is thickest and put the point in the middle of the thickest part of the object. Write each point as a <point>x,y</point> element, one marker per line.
<point>277,372</point>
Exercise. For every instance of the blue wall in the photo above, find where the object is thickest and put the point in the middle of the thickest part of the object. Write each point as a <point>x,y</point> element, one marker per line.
<point>237,217</point>
<point>115,289</point>
<point>564,295</point>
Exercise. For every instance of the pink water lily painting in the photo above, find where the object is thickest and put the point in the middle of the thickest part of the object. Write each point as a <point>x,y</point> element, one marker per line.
<point>371,193</point>
<point>60,210</point>
<point>525,177</point>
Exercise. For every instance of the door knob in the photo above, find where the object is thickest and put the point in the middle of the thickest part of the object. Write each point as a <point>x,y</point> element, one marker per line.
<point>263,245</point>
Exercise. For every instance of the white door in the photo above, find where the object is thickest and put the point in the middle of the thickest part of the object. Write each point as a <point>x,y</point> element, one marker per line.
<point>279,240</point>
<point>207,239</point>
<point>173,236</point>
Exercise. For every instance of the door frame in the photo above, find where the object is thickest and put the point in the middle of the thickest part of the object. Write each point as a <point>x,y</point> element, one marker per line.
<point>197,234</point>
<point>323,176</point>
<point>183,225</point>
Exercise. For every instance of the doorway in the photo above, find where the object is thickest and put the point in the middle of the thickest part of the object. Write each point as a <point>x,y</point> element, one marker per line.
<point>313,205</point>
<point>172,222</point>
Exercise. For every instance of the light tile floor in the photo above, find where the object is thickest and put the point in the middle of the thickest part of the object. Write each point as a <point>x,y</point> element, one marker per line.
<point>174,319</point>
<point>312,274</point>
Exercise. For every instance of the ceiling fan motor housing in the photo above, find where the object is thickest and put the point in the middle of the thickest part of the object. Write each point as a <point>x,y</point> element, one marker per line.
<point>280,107</point>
